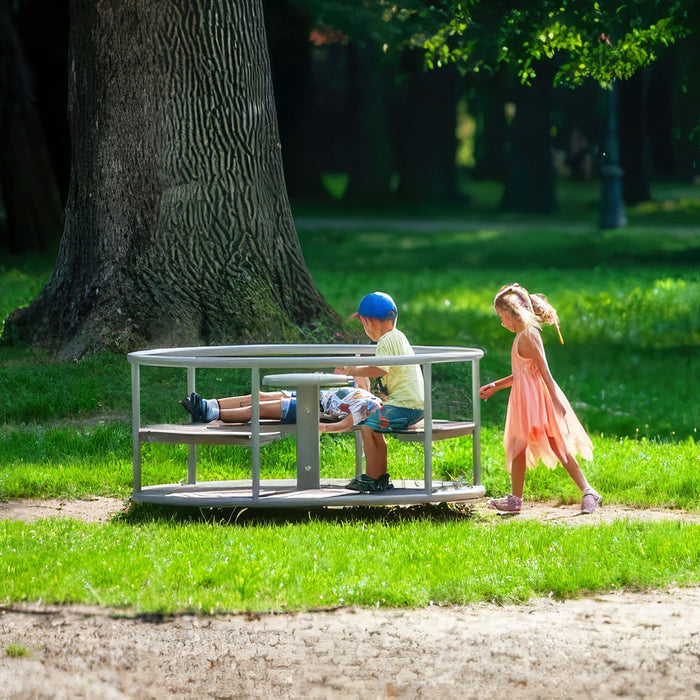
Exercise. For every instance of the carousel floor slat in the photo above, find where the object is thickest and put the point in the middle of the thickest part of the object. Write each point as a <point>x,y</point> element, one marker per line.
<point>283,493</point>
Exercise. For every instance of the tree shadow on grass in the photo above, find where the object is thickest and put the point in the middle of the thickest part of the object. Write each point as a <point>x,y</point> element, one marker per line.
<point>141,513</point>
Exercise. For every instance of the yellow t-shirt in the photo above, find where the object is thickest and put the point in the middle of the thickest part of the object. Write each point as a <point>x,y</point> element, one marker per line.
<point>404,383</point>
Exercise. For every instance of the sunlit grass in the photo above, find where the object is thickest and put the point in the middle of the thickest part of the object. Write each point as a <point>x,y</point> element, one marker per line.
<point>208,568</point>
<point>15,651</point>
<point>96,460</point>
<point>628,302</point>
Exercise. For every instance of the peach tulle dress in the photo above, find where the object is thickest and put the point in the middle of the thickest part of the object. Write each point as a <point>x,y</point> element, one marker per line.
<point>531,420</point>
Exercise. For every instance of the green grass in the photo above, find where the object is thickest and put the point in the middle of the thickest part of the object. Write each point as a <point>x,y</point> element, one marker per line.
<point>15,651</point>
<point>628,301</point>
<point>208,567</point>
<point>60,462</point>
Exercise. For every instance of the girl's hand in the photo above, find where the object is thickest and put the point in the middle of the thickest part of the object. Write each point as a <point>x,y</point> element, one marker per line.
<point>487,390</point>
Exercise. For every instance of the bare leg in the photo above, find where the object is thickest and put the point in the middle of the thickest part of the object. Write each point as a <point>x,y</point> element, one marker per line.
<point>569,463</point>
<point>243,414</point>
<point>517,474</point>
<point>240,401</point>
<point>362,383</point>
<point>374,445</point>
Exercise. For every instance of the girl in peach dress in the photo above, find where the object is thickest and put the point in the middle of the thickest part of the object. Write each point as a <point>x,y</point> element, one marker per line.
<point>540,423</point>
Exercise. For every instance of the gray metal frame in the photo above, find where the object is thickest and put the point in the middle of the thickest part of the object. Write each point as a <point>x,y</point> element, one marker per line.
<point>299,357</point>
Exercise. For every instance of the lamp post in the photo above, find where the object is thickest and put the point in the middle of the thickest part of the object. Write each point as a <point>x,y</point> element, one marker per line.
<point>611,209</point>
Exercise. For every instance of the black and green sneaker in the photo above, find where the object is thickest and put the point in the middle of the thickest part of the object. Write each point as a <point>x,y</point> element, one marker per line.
<point>196,406</point>
<point>384,483</point>
<point>366,484</point>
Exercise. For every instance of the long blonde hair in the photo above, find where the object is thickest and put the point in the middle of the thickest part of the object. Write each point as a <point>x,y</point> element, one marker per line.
<point>531,309</point>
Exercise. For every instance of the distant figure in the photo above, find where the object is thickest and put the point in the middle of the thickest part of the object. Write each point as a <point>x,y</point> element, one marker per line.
<point>579,159</point>
<point>540,423</point>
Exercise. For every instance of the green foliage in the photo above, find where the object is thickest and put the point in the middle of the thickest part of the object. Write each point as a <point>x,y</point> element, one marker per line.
<point>600,41</point>
<point>15,651</point>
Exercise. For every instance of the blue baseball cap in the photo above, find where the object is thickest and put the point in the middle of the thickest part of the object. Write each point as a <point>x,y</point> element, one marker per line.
<point>377,305</point>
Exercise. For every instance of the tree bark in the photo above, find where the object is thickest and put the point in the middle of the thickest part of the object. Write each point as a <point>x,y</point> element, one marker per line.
<point>663,85</point>
<point>178,226</point>
<point>369,157</point>
<point>488,106</point>
<point>288,29</point>
<point>685,108</point>
<point>42,26</point>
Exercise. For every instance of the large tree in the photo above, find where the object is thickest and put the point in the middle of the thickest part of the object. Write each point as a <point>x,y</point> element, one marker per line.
<point>178,228</point>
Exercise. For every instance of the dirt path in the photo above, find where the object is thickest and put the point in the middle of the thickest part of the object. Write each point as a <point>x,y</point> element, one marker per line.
<point>631,645</point>
<point>103,509</point>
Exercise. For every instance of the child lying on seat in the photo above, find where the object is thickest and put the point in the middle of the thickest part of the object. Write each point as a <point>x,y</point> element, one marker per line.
<point>340,409</point>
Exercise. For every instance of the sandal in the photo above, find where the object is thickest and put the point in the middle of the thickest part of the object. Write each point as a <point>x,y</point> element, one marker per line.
<point>509,504</point>
<point>590,502</point>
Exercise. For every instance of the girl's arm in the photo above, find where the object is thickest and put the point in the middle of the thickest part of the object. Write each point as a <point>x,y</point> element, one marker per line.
<point>530,346</point>
<point>490,389</point>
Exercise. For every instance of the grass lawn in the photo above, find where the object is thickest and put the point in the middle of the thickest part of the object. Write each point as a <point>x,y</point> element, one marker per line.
<point>628,301</point>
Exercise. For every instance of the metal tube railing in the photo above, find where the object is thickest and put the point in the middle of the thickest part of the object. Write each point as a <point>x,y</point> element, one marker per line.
<point>256,357</point>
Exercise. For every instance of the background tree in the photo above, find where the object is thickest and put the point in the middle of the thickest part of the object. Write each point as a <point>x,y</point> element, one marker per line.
<point>400,130</point>
<point>178,229</point>
<point>543,44</point>
<point>296,98</point>
<point>550,42</point>
<point>28,185</point>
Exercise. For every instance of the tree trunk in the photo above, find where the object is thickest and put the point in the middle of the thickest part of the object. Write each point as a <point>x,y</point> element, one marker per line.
<point>489,96</point>
<point>685,108</point>
<point>530,173</point>
<point>663,85</point>
<point>425,122</point>
<point>43,27</point>
<point>27,183</point>
<point>288,30</point>
<point>369,164</point>
<point>178,226</point>
<point>634,144</point>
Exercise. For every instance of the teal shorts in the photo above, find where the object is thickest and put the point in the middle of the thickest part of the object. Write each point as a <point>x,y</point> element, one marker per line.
<point>389,418</point>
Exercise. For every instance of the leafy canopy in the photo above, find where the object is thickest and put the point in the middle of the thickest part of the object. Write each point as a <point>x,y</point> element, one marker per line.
<point>602,40</point>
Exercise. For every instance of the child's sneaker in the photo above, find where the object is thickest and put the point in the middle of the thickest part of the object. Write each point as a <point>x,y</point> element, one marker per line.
<point>590,502</point>
<point>509,504</point>
<point>362,483</point>
<point>366,484</point>
<point>384,483</point>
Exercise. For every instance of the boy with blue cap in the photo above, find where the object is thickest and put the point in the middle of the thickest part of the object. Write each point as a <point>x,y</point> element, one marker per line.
<point>402,386</point>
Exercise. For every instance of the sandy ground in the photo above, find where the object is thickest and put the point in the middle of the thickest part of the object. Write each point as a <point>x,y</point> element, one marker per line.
<point>628,645</point>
